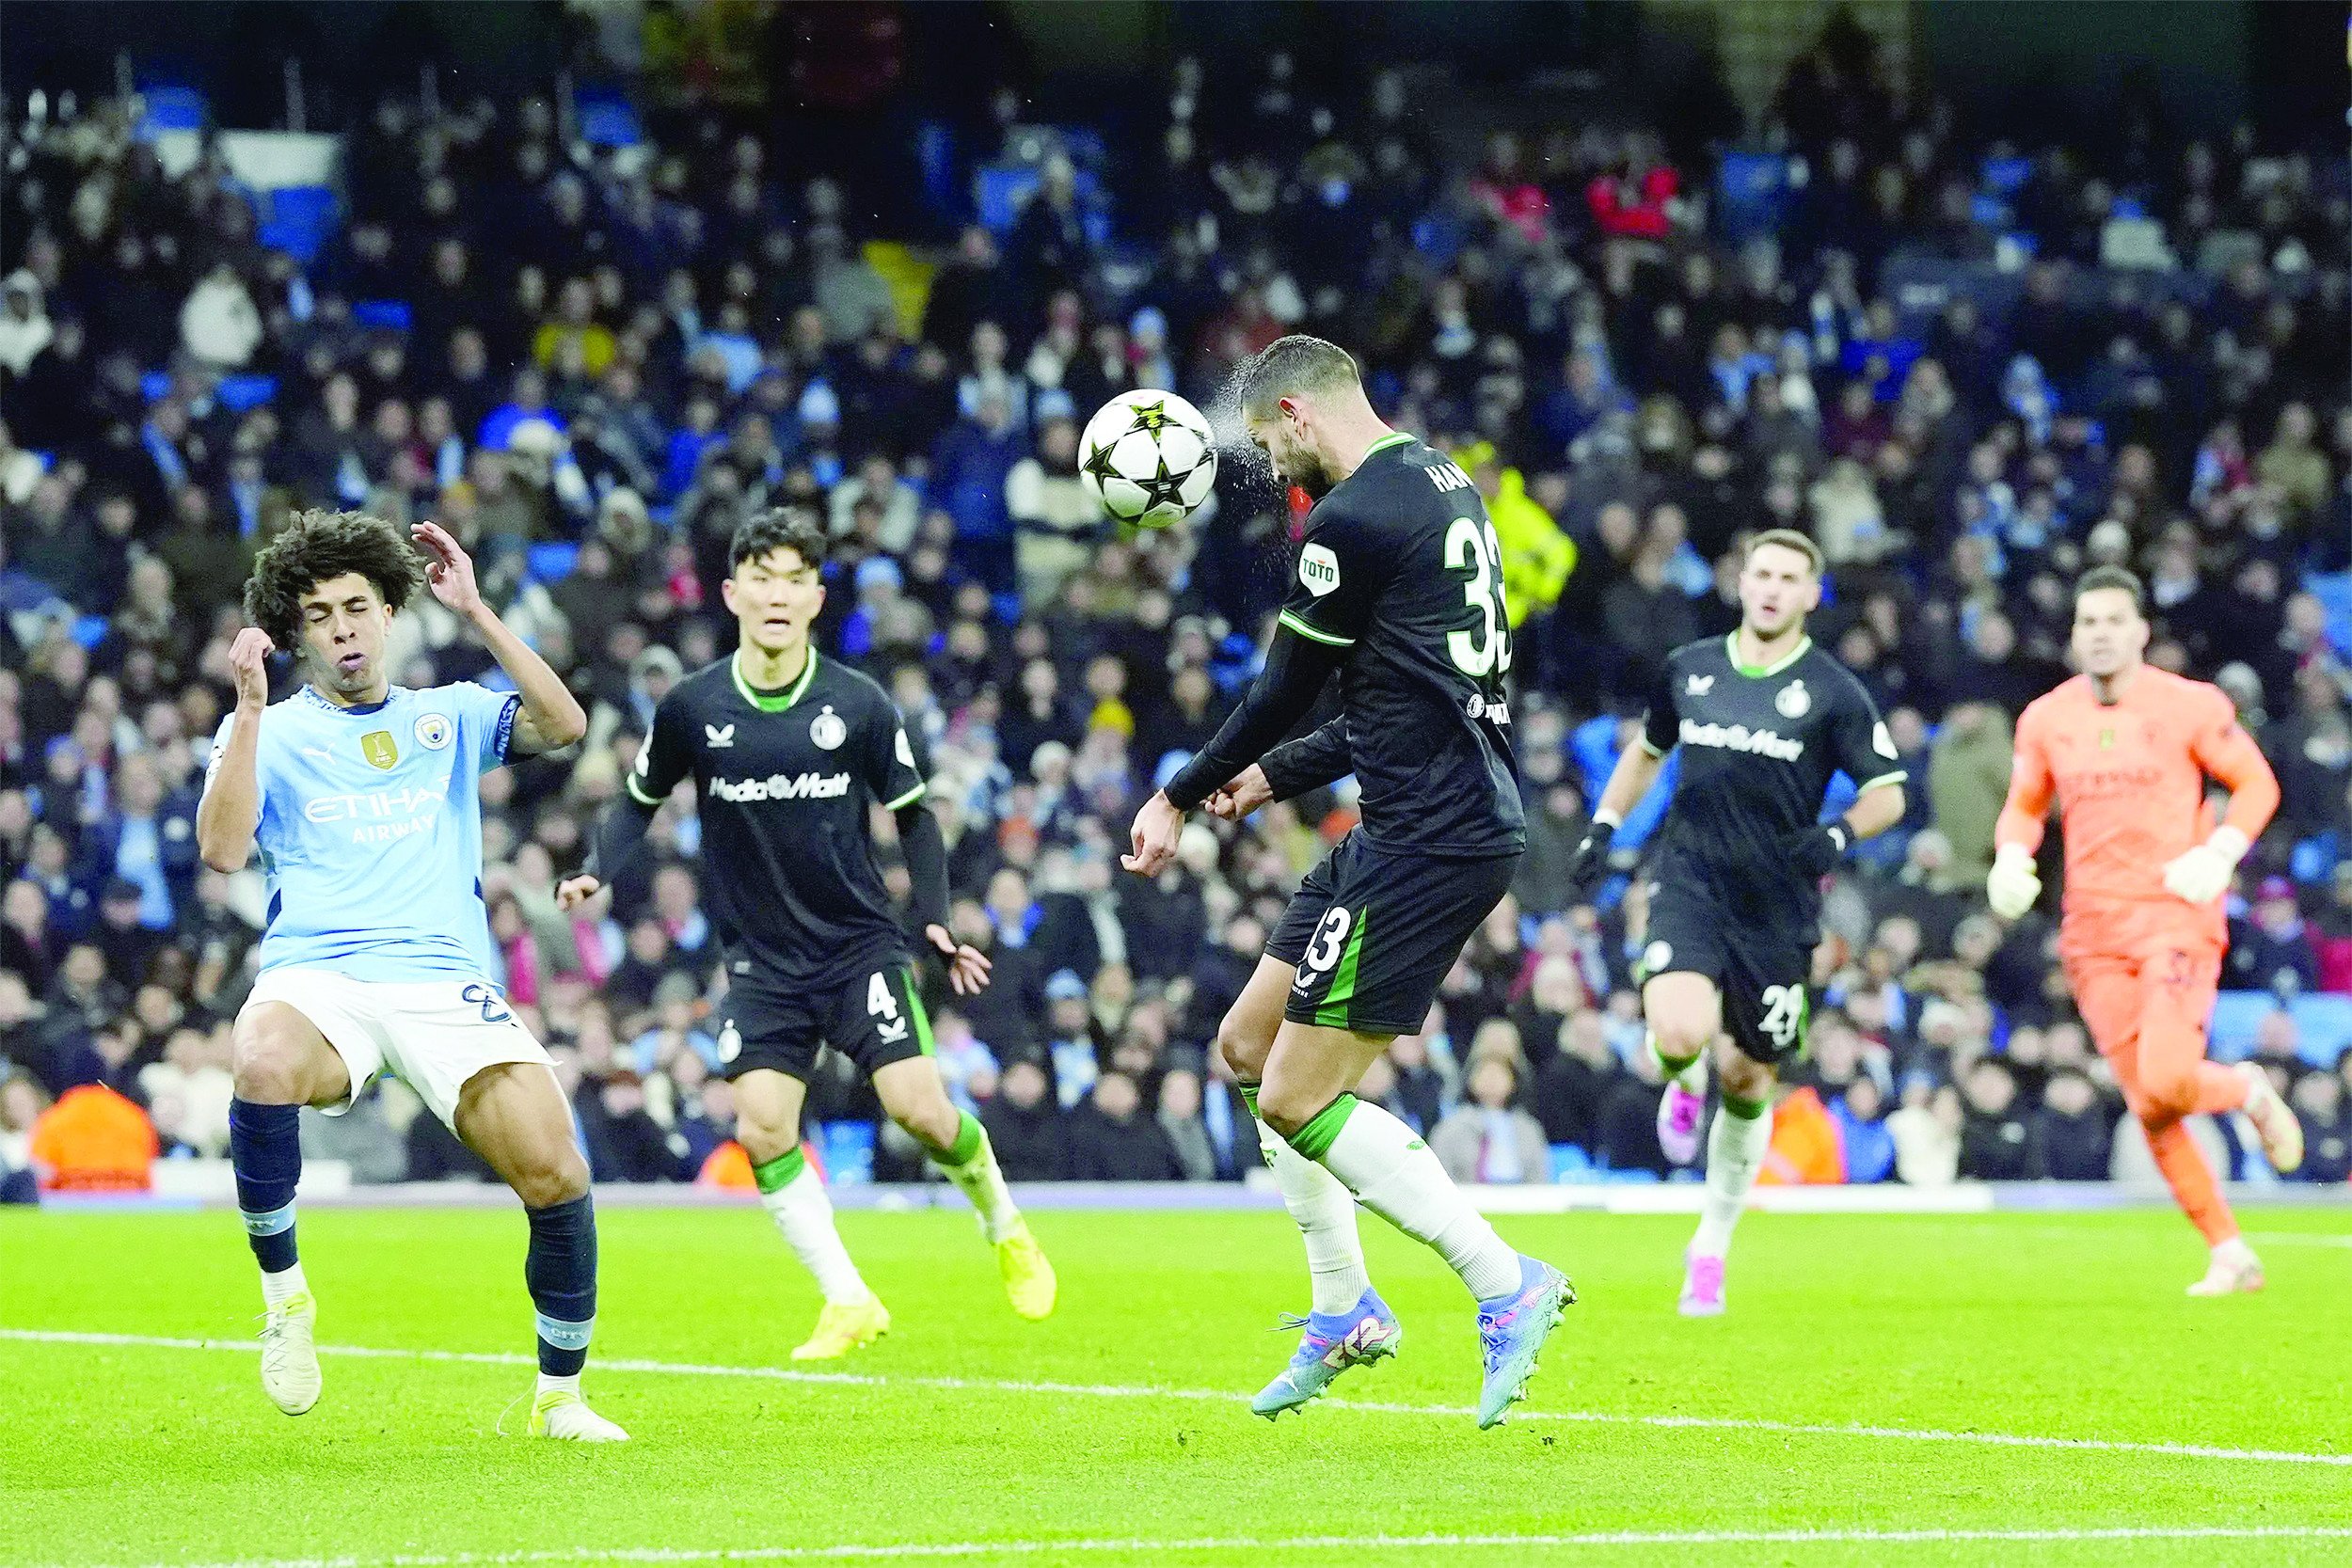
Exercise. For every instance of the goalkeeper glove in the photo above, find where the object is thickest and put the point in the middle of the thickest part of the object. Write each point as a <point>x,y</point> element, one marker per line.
<point>2201,875</point>
<point>2013,885</point>
<point>1591,861</point>
<point>1816,851</point>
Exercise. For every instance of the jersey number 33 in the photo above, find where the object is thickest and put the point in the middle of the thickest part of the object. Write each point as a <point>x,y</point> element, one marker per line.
<point>1470,547</point>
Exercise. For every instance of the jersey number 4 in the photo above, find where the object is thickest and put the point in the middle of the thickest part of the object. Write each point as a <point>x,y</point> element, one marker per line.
<point>1471,546</point>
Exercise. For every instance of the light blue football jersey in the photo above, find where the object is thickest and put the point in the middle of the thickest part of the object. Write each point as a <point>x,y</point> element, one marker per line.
<point>371,831</point>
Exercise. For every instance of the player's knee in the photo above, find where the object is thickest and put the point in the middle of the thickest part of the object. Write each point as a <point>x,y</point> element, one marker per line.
<point>1284,1110</point>
<point>2166,1095</point>
<point>558,1179</point>
<point>766,1141</point>
<point>1744,1077</point>
<point>1682,1036</point>
<point>931,1118</point>
<point>1244,1049</point>
<point>268,1069</point>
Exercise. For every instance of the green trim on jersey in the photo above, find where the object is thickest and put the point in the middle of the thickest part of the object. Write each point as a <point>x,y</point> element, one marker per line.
<point>1731,651</point>
<point>906,799</point>
<point>1895,777</point>
<point>631,780</point>
<point>1303,629</point>
<point>1332,1013</point>
<point>772,705</point>
<point>915,1011</point>
<point>1315,1139</point>
<point>1394,437</point>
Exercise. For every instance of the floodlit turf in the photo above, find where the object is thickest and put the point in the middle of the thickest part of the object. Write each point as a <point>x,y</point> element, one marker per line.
<point>2067,1327</point>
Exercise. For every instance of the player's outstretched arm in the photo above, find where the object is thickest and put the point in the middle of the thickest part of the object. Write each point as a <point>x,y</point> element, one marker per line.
<point>551,716</point>
<point>231,807</point>
<point>1319,757</point>
<point>1295,669</point>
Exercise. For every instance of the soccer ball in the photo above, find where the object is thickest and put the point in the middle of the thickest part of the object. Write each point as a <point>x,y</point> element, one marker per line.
<point>1148,458</point>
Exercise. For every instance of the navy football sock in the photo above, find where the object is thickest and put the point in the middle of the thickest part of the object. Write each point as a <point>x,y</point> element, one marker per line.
<point>561,1270</point>
<point>266,1148</point>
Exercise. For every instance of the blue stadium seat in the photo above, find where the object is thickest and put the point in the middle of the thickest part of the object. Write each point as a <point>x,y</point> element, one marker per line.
<point>170,108</point>
<point>2334,591</point>
<point>1752,190</point>
<point>388,315</point>
<point>301,218</point>
<point>2323,1026</point>
<point>847,1149</point>
<point>239,393</point>
<point>89,630</point>
<point>155,386</point>
<point>1570,1164</point>
<point>552,563</point>
<point>607,119</point>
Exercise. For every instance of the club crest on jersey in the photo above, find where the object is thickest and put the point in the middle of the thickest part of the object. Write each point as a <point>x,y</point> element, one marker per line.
<point>828,731</point>
<point>1318,570</point>
<point>435,732</point>
<point>376,746</point>
<point>1793,701</point>
<point>1656,957</point>
<point>730,1041</point>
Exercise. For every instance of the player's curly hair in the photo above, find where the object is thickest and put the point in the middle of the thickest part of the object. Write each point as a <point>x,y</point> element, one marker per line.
<point>319,544</point>
<point>777,528</point>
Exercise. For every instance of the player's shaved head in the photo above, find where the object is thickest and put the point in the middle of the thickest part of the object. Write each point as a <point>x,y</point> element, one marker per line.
<point>1303,404</point>
<point>1293,367</point>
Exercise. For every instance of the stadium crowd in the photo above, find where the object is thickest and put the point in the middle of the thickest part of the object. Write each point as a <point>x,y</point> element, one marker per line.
<point>589,368</point>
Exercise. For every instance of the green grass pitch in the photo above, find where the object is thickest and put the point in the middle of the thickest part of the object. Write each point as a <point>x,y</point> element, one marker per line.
<point>1117,1432</point>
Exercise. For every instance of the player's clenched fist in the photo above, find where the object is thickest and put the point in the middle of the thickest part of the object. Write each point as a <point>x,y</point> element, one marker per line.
<point>2013,884</point>
<point>1247,791</point>
<point>248,656</point>
<point>572,891</point>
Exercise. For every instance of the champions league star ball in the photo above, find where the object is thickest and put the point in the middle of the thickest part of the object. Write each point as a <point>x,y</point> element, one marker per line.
<point>1149,458</point>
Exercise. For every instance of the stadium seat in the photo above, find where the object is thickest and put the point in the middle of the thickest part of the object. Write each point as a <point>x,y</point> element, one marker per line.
<point>1570,1164</point>
<point>607,119</point>
<point>170,108</point>
<point>553,562</point>
<point>388,315</point>
<point>154,386</point>
<point>847,1149</point>
<point>2323,1024</point>
<point>2334,593</point>
<point>301,219</point>
<point>240,393</point>
<point>89,630</point>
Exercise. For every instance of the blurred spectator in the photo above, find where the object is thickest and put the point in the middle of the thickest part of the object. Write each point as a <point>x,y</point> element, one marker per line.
<point>1112,1139</point>
<point>1026,1127</point>
<point>1487,1138</point>
<point>2319,1105</point>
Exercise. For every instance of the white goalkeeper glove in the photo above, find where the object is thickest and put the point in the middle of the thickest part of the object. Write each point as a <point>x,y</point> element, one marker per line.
<point>2201,875</point>
<point>2013,884</point>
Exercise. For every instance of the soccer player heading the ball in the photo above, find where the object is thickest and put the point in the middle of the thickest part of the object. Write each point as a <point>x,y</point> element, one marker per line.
<point>1399,592</point>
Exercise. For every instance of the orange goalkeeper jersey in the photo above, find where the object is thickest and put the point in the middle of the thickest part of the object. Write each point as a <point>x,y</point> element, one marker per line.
<point>2129,777</point>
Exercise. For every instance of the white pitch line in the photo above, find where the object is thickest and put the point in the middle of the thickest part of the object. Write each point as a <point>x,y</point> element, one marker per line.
<point>1263,1545</point>
<point>1220,1396</point>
